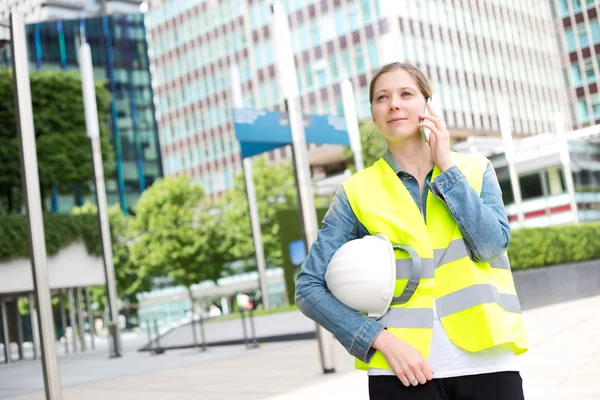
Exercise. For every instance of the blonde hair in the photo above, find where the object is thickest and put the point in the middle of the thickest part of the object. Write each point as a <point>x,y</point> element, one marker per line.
<point>415,72</point>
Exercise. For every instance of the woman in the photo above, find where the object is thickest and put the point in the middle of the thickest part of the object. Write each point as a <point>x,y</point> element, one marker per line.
<point>447,207</point>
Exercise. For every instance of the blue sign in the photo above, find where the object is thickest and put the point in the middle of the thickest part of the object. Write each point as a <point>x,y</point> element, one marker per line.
<point>259,131</point>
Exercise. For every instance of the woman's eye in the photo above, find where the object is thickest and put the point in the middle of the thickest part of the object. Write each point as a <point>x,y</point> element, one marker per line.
<point>407,94</point>
<point>383,96</point>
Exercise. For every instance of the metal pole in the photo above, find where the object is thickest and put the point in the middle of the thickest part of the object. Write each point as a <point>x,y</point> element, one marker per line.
<point>34,326</point>
<point>286,72</point>
<point>33,201</point>
<point>93,132</point>
<point>238,102</point>
<point>19,329</point>
<point>6,343</point>
<point>90,315</point>
<point>352,123</point>
<point>79,305</point>
<point>509,151</point>
<point>72,318</point>
<point>565,159</point>
<point>63,318</point>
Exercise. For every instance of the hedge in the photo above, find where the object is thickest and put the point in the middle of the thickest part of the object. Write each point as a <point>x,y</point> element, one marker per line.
<point>529,247</point>
<point>60,230</point>
<point>539,247</point>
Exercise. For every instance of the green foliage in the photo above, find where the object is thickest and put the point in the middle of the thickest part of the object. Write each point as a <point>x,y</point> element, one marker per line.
<point>372,141</point>
<point>538,247</point>
<point>60,231</point>
<point>63,150</point>
<point>129,282</point>
<point>177,234</point>
<point>275,191</point>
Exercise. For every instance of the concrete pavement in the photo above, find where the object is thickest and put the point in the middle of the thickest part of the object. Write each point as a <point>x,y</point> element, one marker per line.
<point>563,363</point>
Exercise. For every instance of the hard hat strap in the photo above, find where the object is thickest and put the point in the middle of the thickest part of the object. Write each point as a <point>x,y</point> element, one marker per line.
<point>415,277</point>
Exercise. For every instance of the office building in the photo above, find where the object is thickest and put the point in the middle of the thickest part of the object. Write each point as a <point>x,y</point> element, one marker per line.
<point>578,32</point>
<point>120,57</point>
<point>477,53</point>
<point>49,10</point>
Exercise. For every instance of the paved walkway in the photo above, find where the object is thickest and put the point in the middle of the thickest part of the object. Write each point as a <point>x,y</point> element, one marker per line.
<point>563,363</point>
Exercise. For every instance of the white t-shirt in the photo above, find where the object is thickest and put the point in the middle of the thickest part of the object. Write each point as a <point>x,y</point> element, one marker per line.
<point>448,360</point>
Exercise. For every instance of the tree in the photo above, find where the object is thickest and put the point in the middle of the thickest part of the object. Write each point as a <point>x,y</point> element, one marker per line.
<point>128,279</point>
<point>177,234</point>
<point>64,159</point>
<point>372,141</point>
<point>275,190</point>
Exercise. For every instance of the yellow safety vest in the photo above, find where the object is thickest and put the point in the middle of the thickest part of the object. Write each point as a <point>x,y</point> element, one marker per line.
<point>477,302</point>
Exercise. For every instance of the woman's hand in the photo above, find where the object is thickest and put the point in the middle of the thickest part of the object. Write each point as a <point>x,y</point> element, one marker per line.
<point>407,362</point>
<point>439,142</point>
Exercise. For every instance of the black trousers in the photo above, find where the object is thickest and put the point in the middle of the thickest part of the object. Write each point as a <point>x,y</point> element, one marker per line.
<point>494,386</point>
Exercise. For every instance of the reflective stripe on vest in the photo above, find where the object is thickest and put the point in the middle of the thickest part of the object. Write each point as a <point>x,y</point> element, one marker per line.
<point>455,251</point>
<point>475,295</point>
<point>408,318</point>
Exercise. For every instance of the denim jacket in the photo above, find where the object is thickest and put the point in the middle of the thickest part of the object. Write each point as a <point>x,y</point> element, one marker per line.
<point>481,219</point>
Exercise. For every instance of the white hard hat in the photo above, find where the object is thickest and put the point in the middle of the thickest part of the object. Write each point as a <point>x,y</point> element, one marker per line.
<point>362,275</point>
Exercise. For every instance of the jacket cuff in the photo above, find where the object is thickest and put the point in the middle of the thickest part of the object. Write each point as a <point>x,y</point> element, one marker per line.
<point>361,346</point>
<point>446,181</point>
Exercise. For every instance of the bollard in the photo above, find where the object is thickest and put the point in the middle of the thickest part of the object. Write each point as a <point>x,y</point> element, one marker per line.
<point>149,330</point>
<point>193,324</point>
<point>202,333</point>
<point>244,326</point>
<point>254,339</point>
<point>157,349</point>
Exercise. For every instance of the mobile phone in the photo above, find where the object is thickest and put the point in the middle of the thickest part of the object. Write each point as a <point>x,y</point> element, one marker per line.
<point>424,131</point>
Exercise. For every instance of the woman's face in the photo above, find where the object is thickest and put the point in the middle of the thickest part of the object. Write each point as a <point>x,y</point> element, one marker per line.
<point>396,104</point>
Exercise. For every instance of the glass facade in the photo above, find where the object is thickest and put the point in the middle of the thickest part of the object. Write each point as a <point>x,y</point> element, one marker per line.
<point>579,35</point>
<point>120,58</point>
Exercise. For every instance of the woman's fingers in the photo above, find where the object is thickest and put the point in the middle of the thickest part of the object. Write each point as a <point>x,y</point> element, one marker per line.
<point>420,376</point>
<point>431,126</point>
<point>429,120</point>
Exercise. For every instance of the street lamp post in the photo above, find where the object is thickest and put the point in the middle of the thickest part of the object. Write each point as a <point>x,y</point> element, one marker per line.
<point>33,204</point>
<point>93,132</point>
<point>288,82</point>
<point>509,152</point>
<point>238,102</point>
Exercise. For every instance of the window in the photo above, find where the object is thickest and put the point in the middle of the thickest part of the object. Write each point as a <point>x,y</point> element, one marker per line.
<point>531,186</point>
<point>309,78</point>
<point>340,22</point>
<point>353,19</point>
<point>589,72</point>
<point>582,111</point>
<point>373,54</point>
<point>315,34</point>
<point>582,34</point>
<point>359,60</point>
<point>507,192</point>
<point>334,70</point>
<point>321,78</point>
<point>576,75</point>
<point>570,39</point>
<point>596,105</point>
<point>564,8</point>
<point>366,10</point>
<point>595,28</point>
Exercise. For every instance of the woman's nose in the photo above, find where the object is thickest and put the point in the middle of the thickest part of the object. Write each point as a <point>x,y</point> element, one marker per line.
<point>394,102</point>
